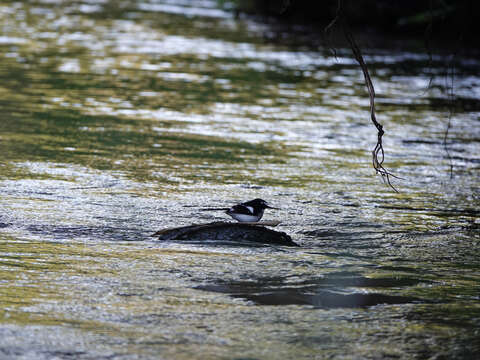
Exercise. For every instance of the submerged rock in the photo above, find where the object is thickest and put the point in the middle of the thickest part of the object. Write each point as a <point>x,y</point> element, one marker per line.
<point>228,231</point>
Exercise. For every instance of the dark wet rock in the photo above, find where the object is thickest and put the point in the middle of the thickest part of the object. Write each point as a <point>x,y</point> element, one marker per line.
<point>227,231</point>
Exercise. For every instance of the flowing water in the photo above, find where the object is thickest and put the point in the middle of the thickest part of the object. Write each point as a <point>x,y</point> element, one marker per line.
<point>119,118</point>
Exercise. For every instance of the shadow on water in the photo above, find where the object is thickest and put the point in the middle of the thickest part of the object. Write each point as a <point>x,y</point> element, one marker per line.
<point>104,232</point>
<point>329,292</point>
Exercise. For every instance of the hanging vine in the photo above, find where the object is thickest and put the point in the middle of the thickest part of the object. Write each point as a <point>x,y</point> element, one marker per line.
<point>378,154</point>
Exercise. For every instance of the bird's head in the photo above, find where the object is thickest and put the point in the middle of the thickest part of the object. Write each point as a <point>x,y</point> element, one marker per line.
<point>262,204</point>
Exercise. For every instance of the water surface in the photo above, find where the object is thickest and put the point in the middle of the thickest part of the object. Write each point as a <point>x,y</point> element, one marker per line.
<point>121,118</point>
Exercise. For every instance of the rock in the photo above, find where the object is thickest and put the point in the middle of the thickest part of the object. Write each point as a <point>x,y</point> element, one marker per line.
<point>228,231</point>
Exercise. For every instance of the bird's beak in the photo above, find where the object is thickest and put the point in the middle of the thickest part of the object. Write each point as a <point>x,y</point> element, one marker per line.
<point>271,207</point>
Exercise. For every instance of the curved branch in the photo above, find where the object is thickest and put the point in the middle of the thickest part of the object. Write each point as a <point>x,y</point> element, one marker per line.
<point>378,154</point>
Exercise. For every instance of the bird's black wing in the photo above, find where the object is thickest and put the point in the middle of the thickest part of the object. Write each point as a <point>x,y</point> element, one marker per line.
<point>240,209</point>
<point>252,202</point>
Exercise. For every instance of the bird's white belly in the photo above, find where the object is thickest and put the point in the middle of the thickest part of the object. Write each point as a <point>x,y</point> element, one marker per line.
<point>245,218</point>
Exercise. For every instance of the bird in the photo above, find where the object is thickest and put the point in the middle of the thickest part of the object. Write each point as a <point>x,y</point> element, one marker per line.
<point>249,211</point>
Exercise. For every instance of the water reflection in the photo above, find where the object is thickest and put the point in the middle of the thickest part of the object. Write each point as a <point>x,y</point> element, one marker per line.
<point>329,292</point>
<point>118,119</point>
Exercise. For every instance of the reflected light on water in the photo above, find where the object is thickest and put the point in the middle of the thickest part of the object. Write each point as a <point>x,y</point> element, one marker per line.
<point>121,118</point>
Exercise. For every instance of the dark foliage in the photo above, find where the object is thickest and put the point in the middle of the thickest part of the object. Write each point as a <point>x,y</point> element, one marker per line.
<point>441,18</point>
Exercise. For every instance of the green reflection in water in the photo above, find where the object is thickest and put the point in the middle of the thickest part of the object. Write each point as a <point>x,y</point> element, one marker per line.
<point>167,100</point>
<point>143,295</point>
<point>115,143</point>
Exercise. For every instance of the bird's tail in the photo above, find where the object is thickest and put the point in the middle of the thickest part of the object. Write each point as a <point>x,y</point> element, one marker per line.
<point>214,209</point>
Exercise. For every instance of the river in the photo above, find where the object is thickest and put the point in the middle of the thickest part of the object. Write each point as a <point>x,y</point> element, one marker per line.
<point>120,118</point>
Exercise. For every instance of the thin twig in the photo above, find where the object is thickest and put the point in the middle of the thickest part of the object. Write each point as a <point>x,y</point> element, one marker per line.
<point>427,39</point>
<point>451,98</point>
<point>450,87</point>
<point>327,29</point>
<point>378,154</point>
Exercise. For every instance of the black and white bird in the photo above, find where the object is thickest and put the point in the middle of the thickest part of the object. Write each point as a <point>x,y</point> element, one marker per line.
<point>250,211</point>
